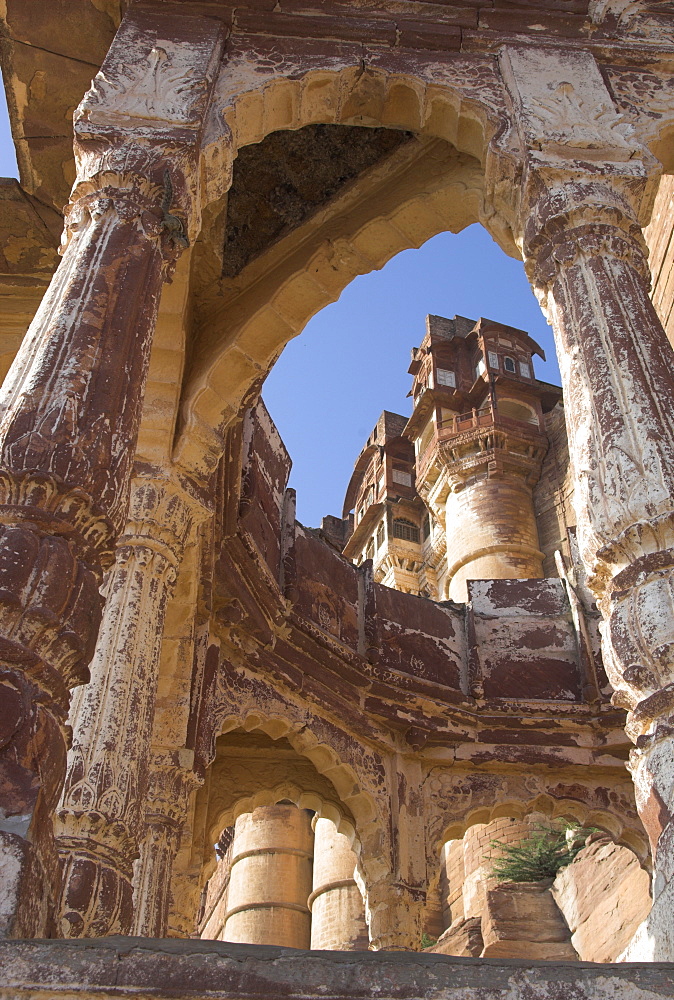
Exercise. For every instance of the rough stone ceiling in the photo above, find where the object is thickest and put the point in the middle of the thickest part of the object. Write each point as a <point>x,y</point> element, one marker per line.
<point>282,181</point>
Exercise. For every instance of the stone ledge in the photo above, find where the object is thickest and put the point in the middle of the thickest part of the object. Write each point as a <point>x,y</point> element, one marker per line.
<point>144,968</point>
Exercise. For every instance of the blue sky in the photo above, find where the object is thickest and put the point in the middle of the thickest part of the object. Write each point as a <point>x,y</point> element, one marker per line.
<point>350,363</point>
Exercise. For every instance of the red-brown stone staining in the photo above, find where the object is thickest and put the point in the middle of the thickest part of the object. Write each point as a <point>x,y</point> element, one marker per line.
<point>69,423</point>
<point>402,720</point>
<point>68,427</point>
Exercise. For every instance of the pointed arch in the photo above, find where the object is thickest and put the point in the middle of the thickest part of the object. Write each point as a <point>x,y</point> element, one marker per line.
<point>454,111</point>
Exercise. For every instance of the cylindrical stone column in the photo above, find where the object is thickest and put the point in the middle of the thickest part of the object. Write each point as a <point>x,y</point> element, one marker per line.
<point>69,413</point>
<point>99,817</point>
<point>394,914</point>
<point>271,878</point>
<point>491,532</point>
<point>337,907</point>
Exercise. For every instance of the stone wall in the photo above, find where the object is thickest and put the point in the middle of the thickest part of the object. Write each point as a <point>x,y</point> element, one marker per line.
<point>661,260</point>
<point>591,910</point>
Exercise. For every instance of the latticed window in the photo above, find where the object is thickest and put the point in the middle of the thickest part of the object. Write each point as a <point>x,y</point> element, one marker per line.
<point>406,530</point>
<point>380,535</point>
<point>426,527</point>
<point>446,377</point>
<point>403,478</point>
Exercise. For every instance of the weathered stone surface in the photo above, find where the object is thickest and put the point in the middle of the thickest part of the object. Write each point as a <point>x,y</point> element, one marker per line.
<point>522,920</point>
<point>462,939</point>
<point>272,192</point>
<point>401,721</point>
<point>94,970</point>
<point>604,896</point>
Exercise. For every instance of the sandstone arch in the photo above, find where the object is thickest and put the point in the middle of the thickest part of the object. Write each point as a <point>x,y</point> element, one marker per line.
<point>460,802</point>
<point>239,341</point>
<point>353,807</point>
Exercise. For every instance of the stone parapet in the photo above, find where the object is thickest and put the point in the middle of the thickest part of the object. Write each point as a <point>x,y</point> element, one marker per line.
<point>94,970</point>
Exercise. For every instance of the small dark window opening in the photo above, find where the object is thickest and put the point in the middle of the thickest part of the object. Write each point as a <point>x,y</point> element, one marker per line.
<point>509,365</point>
<point>406,530</point>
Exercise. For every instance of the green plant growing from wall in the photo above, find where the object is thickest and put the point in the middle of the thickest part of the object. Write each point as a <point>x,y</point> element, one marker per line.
<point>541,855</point>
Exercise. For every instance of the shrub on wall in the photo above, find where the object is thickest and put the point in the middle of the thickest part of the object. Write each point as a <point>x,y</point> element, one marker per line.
<point>539,856</point>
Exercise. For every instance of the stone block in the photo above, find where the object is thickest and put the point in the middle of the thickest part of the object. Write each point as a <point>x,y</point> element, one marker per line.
<point>604,896</point>
<point>522,920</point>
<point>462,939</point>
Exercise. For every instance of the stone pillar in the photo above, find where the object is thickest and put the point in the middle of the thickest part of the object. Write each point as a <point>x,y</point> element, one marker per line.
<point>270,882</point>
<point>100,814</point>
<point>69,414</point>
<point>337,909</point>
<point>394,913</point>
<point>165,808</point>
<point>585,189</point>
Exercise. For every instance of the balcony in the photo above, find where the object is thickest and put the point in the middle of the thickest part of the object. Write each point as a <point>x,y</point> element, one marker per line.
<point>477,419</point>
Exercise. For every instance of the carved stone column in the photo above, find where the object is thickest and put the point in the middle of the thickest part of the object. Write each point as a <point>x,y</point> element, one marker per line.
<point>99,817</point>
<point>583,188</point>
<point>170,784</point>
<point>69,414</point>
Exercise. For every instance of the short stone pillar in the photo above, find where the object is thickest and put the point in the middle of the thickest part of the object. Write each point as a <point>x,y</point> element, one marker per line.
<point>99,817</point>
<point>394,914</point>
<point>170,784</point>
<point>271,878</point>
<point>337,908</point>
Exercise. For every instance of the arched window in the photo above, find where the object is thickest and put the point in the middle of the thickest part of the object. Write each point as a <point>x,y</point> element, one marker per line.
<point>509,365</point>
<point>406,530</point>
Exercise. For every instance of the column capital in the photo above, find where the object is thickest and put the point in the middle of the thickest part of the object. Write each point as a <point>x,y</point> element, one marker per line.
<point>130,191</point>
<point>160,516</point>
<point>171,780</point>
<point>138,128</point>
<point>568,161</point>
